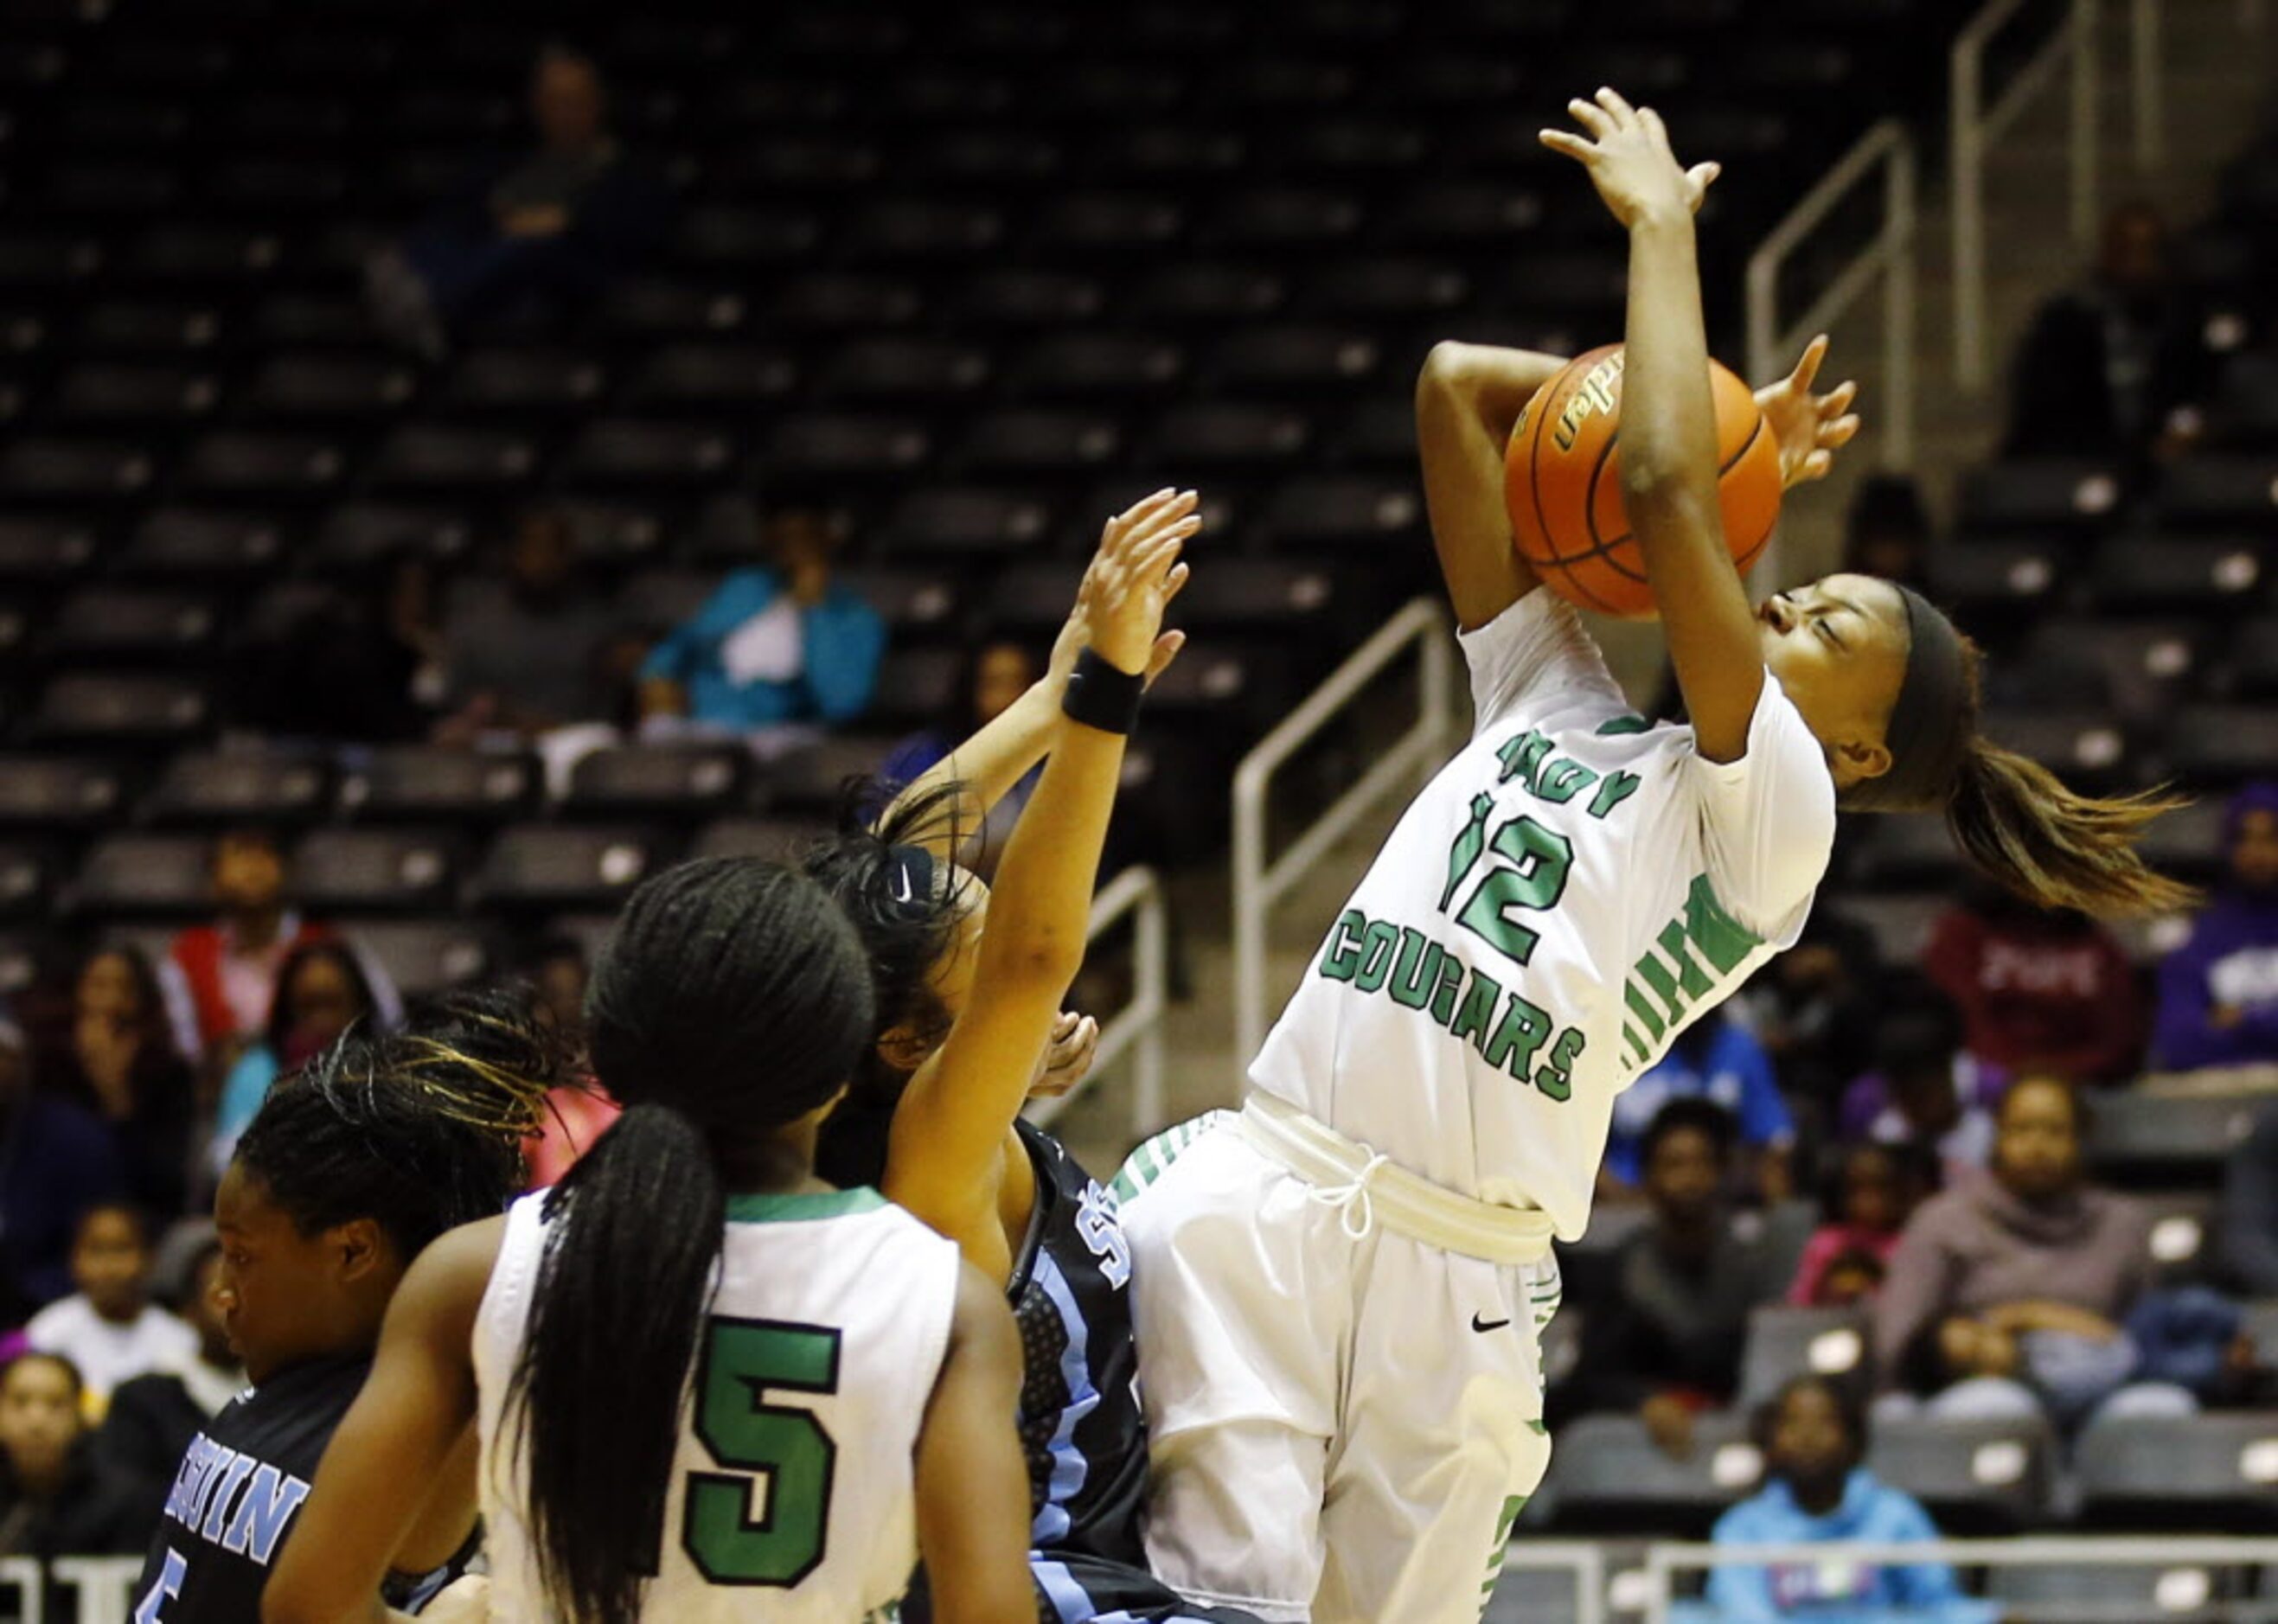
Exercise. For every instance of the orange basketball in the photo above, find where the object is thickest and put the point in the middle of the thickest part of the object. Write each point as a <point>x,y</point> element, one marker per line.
<point>1562,480</point>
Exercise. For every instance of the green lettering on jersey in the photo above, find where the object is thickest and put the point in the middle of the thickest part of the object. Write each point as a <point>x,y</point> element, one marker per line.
<point>1444,995</point>
<point>1376,955</point>
<point>1613,792</point>
<point>1477,1013</point>
<point>1563,780</point>
<point>1467,848</point>
<point>1613,727</point>
<point>1520,757</point>
<point>739,1362</point>
<point>1555,1077</point>
<point>1342,958</point>
<point>1416,972</point>
<point>1518,1035</point>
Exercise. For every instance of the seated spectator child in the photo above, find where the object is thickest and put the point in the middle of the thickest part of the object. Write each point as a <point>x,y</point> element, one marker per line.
<point>1718,1059</point>
<point>2008,1294</point>
<point>1876,1191</point>
<point>1668,1343</point>
<point>2218,991</point>
<point>322,991</point>
<point>109,1329</point>
<point>62,1164</point>
<point>56,1499</point>
<point>999,674</point>
<point>1818,1490</point>
<point>153,1418</point>
<point>779,645</point>
<point>1926,1090</point>
<point>2051,991</point>
<point>523,650</point>
<point>1812,1008</point>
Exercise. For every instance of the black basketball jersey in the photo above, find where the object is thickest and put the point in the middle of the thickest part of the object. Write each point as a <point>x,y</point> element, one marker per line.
<point>1079,1418</point>
<point>238,1490</point>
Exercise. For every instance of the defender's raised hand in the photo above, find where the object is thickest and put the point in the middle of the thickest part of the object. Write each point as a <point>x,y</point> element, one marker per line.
<point>1809,427</point>
<point>1627,153</point>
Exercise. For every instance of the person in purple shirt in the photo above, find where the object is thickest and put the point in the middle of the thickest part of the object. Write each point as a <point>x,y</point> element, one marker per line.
<point>2218,991</point>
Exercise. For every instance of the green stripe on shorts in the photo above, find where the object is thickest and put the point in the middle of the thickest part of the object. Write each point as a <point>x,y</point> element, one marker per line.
<point>1153,1158</point>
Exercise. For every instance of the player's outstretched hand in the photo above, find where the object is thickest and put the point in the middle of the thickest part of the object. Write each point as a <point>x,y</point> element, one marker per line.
<point>1627,153</point>
<point>1809,428</point>
<point>1131,580</point>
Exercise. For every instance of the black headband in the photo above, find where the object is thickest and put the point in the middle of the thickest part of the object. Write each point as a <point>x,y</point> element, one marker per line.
<point>1930,728</point>
<point>909,879</point>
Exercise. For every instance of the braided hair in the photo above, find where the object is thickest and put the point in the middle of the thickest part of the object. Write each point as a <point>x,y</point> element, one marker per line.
<point>420,1131</point>
<point>731,1000</point>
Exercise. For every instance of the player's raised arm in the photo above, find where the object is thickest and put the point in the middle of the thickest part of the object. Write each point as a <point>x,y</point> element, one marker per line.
<point>1669,419</point>
<point>972,1482</point>
<point>1468,397</point>
<point>946,1152</point>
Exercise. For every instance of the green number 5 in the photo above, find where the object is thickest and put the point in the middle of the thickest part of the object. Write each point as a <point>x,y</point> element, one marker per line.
<point>1542,856</point>
<point>741,1360</point>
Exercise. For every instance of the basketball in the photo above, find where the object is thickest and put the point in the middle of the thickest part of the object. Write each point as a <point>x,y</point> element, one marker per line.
<point>1562,481</point>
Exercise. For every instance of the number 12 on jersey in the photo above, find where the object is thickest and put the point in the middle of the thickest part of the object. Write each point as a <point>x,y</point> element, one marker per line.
<point>1538,859</point>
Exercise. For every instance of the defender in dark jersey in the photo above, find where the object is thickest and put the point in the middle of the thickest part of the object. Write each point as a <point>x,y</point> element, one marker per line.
<point>352,1166</point>
<point>967,1020</point>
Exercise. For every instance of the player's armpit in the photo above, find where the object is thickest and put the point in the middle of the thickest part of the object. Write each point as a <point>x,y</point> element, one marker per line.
<point>972,1482</point>
<point>1468,397</point>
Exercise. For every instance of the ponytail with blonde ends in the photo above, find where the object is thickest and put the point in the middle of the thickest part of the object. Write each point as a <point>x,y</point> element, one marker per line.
<point>2020,825</point>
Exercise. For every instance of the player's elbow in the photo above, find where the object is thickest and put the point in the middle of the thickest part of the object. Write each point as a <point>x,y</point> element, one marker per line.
<point>1663,496</point>
<point>286,1601</point>
<point>1445,375</point>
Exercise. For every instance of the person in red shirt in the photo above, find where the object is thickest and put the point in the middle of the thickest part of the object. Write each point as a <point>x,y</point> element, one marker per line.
<point>2050,993</point>
<point>219,976</point>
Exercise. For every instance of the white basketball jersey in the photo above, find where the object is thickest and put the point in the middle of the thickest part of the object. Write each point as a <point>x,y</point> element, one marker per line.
<point>1569,893</point>
<point>792,1497</point>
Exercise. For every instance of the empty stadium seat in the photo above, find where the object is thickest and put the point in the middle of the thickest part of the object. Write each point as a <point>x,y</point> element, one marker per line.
<point>2140,667</point>
<point>1908,853</point>
<point>436,458</point>
<point>2176,575</point>
<point>2182,1235</point>
<point>152,397</point>
<point>679,781</point>
<point>2212,489</point>
<point>938,371</point>
<point>376,871</point>
<point>1784,1343</point>
<point>44,552</point>
<point>26,879</point>
<point>916,686</point>
<point>45,470</point>
<point>1223,435</point>
<point>533,867</point>
<point>1995,586</point>
<point>1027,299</point>
<point>421,783</point>
<point>1091,366</point>
<point>356,535</point>
<point>1975,1476</point>
<point>137,626</point>
<point>2165,1141</point>
<point>813,780</point>
<point>713,376</point>
<point>224,788</point>
<point>1203,291</point>
<point>635,454</point>
<point>422,956</point>
<point>744,240</point>
<point>2188,841</point>
<point>203,545</point>
<point>1317,512</point>
<point>2222,744</point>
<point>2081,1592</point>
<point>360,389</point>
<point>776,839</point>
<point>844,301</point>
<point>121,708</point>
<point>1295,361</point>
<point>824,446</point>
<point>1043,444</point>
<point>1609,1477</point>
<point>2252,663</point>
<point>522,383</point>
<point>145,876</point>
<point>58,792</point>
<point>2045,494</point>
<point>233,464</point>
<point>2203,1474</point>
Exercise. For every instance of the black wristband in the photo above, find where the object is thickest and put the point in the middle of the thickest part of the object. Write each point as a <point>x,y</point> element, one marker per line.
<point>1099,695</point>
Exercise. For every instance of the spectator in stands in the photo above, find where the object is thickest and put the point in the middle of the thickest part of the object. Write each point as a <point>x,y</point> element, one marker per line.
<point>2007,1293</point>
<point>2218,991</point>
<point>1876,1189</point>
<point>222,976</point>
<point>779,650</point>
<point>2114,369</point>
<point>1814,1439</point>
<point>342,660</point>
<point>1926,1090</point>
<point>1814,1008</point>
<point>1887,531</point>
<point>116,1057</point>
<point>152,1418</point>
<point>522,653</point>
<point>56,1163</point>
<point>538,235</point>
<point>57,1499</point>
<point>2050,992</point>
<point>1668,1343</point>
<point>557,968</point>
<point>1716,1058</point>
<point>997,674</point>
<point>321,991</point>
<point>109,1329</point>
<point>2250,1208</point>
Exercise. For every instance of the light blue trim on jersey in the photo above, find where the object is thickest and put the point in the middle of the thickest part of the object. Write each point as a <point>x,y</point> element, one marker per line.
<point>1069,1467</point>
<point>1069,1598</point>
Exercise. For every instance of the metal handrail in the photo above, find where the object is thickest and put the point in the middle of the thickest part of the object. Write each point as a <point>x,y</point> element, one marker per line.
<point>1138,1028</point>
<point>1662,1561</point>
<point>1975,127</point>
<point>1888,149</point>
<point>1258,885</point>
<point>1585,1559</point>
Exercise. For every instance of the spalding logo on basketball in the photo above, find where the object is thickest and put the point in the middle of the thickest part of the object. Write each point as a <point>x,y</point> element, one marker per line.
<point>1562,480</point>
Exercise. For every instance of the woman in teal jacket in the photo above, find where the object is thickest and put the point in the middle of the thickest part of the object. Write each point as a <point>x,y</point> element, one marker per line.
<point>1814,1439</point>
<point>776,644</point>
